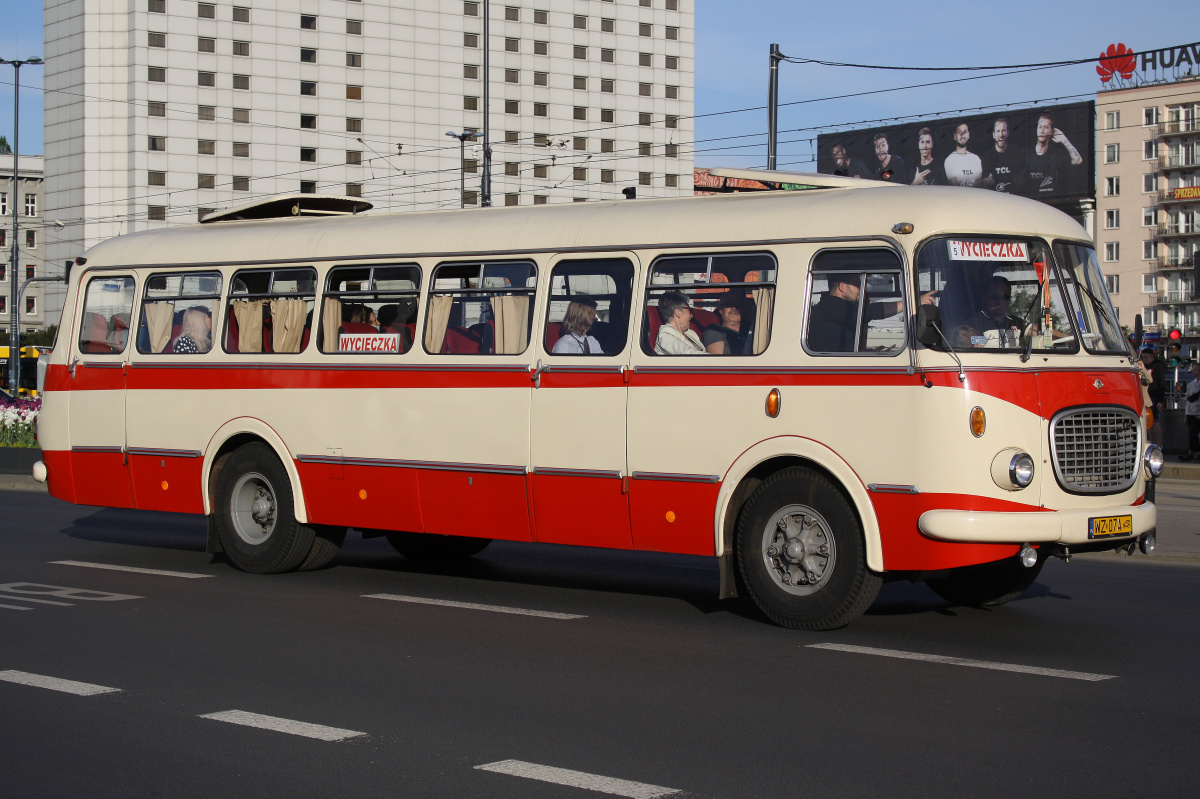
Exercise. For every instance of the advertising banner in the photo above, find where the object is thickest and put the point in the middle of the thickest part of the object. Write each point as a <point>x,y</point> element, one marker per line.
<point>1045,153</point>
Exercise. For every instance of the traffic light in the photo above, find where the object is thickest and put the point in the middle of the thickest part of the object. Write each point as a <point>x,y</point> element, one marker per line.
<point>1175,334</point>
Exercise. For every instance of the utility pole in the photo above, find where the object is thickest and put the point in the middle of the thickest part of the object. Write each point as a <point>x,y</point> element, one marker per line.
<point>462,164</point>
<point>773,107</point>
<point>485,184</point>
<point>14,334</point>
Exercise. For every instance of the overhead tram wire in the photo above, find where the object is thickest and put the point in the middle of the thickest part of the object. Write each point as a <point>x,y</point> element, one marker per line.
<point>1066,63</point>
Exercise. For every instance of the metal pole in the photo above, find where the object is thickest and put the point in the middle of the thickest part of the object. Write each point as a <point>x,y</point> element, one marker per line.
<point>773,107</point>
<point>462,171</point>
<point>485,184</point>
<point>14,330</point>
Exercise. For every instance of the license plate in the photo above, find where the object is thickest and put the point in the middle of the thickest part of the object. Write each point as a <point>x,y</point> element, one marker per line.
<point>1105,526</point>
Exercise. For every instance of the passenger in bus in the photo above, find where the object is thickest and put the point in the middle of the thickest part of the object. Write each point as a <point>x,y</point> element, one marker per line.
<point>676,336</point>
<point>118,331</point>
<point>728,337</point>
<point>363,315</point>
<point>994,316</point>
<point>574,340</point>
<point>832,326</point>
<point>195,335</point>
<point>390,321</point>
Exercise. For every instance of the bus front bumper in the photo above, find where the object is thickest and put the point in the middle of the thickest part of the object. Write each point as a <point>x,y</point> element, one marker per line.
<point>1062,526</point>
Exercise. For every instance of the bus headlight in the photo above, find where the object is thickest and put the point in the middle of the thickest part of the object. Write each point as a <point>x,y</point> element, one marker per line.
<point>1154,460</point>
<point>1012,469</point>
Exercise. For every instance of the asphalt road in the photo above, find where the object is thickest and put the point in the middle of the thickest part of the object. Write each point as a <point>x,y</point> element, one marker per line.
<point>643,683</point>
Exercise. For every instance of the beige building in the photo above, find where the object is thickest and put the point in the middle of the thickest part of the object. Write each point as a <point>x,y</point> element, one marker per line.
<point>1148,203</point>
<point>32,238</point>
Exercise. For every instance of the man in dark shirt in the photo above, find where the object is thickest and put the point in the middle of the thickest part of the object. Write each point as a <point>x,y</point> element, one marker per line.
<point>846,166</point>
<point>1044,164</point>
<point>1002,166</point>
<point>891,167</point>
<point>928,171</point>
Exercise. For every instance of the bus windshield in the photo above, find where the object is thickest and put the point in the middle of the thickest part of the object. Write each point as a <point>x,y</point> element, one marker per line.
<point>995,294</point>
<point>1094,314</point>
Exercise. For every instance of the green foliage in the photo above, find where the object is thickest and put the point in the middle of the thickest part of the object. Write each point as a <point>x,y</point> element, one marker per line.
<point>5,147</point>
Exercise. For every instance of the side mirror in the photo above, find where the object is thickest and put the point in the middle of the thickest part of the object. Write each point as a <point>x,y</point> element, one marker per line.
<point>1138,332</point>
<point>929,318</point>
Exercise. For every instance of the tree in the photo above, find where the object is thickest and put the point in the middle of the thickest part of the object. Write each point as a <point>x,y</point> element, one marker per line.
<point>5,148</point>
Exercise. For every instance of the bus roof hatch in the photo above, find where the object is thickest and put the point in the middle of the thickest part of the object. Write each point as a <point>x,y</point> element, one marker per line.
<point>285,205</point>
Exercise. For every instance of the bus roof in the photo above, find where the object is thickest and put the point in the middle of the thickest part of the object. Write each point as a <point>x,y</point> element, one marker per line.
<point>731,219</point>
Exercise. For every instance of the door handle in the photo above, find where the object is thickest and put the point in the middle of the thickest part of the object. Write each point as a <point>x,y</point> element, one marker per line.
<point>74,363</point>
<point>537,373</point>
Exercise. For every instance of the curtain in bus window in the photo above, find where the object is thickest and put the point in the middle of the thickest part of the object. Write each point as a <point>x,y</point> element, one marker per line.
<point>331,320</point>
<point>248,314</point>
<point>440,306</point>
<point>288,317</point>
<point>764,299</point>
<point>159,318</point>
<point>512,324</point>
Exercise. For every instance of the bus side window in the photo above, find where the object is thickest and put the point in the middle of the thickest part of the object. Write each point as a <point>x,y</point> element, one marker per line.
<point>856,304</point>
<point>589,305</point>
<point>370,310</point>
<point>270,310</point>
<point>107,308</point>
<point>731,299</point>
<point>480,308</point>
<point>177,313</point>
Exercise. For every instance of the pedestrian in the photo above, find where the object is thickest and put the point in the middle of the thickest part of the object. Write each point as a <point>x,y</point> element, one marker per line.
<point>1191,414</point>
<point>1156,390</point>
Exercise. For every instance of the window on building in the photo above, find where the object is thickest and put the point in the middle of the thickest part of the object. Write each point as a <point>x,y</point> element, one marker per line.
<point>579,112</point>
<point>30,244</point>
<point>1149,285</point>
<point>580,52</point>
<point>644,148</point>
<point>1148,216</point>
<point>241,183</point>
<point>608,25</point>
<point>645,29</point>
<point>206,181</point>
<point>540,170</point>
<point>512,45</point>
<point>607,85</point>
<point>672,92</point>
<point>241,82</point>
<point>1112,186</point>
<point>541,78</point>
<point>579,143</point>
<point>308,22</point>
<point>470,40</point>
<point>1149,182</point>
<point>470,166</point>
<point>512,169</point>
<point>158,6</point>
<point>672,5</point>
<point>672,181</point>
<point>672,32</point>
<point>206,147</point>
<point>241,116</point>
<point>607,176</point>
<point>157,109</point>
<point>512,76</point>
<point>308,187</point>
<point>241,14</point>
<point>157,144</point>
<point>471,9</point>
<point>156,74</point>
<point>672,62</point>
<point>31,306</point>
<point>354,92</point>
<point>1112,120</point>
<point>1112,219</point>
<point>607,115</point>
<point>1112,153</point>
<point>156,39</point>
<point>470,198</point>
<point>1149,250</point>
<point>308,121</point>
<point>1149,149</point>
<point>206,45</point>
<point>353,125</point>
<point>643,178</point>
<point>206,11</point>
<point>644,3</point>
<point>206,79</point>
<point>470,103</point>
<point>538,199</point>
<point>1112,283</point>
<point>241,48</point>
<point>512,107</point>
<point>541,140</point>
<point>644,89</point>
<point>156,213</point>
<point>354,60</point>
<point>512,14</point>
<point>512,136</point>
<point>540,109</point>
<point>645,60</point>
<point>579,82</point>
<point>204,113</point>
<point>608,145</point>
<point>241,149</point>
<point>579,173</point>
<point>1150,116</point>
<point>608,56</point>
<point>354,27</point>
<point>308,55</point>
<point>644,118</point>
<point>541,48</point>
<point>308,154</point>
<point>541,17</point>
<point>354,157</point>
<point>156,178</point>
<point>672,151</point>
<point>3,267</point>
<point>580,22</point>
<point>353,189</point>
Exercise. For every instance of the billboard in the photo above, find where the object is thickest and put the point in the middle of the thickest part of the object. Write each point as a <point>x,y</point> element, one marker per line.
<point>1045,153</point>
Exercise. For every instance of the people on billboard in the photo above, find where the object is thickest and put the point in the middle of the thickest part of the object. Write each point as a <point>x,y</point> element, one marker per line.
<point>1044,164</point>
<point>891,167</point>
<point>927,171</point>
<point>1003,167</point>
<point>848,167</point>
<point>963,167</point>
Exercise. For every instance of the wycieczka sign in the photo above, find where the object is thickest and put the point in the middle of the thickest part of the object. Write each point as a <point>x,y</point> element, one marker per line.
<point>1118,64</point>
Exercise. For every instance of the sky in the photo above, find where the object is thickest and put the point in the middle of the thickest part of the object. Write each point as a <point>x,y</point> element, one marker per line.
<point>733,39</point>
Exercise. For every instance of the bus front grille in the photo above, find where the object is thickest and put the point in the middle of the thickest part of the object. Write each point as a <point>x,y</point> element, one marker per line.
<point>1096,450</point>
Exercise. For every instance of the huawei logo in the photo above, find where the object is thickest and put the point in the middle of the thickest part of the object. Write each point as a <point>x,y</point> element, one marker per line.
<point>1117,59</point>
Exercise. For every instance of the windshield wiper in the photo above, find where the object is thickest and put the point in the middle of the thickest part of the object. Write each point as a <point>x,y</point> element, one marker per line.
<point>1025,356</point>
<point>1099,306</point>
<point>962,375</point>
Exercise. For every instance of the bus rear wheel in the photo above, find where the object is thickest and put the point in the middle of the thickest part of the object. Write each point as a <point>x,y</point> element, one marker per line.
<point>427,546</point>
<point>254,513</point>
<point>987,585</point>
<point>801,553</point>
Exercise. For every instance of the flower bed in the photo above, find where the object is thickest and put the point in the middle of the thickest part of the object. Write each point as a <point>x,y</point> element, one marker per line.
<point>18,422</point>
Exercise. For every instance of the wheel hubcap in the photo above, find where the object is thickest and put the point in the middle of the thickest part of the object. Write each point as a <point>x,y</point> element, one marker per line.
<point>253,508</point>
<point>799,550</point>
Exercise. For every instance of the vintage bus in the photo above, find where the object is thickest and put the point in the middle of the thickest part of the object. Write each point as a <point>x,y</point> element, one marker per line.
<point>860,382</point>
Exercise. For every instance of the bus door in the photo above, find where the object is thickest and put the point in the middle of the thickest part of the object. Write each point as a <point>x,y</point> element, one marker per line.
<point>577,422</point>
<point>97,366</point>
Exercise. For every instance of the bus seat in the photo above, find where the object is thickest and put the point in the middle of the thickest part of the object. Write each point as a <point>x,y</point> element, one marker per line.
<point>654,322</point>
<point>231,335</point>
<point>553,334</point>
<point>356,327</point>
<point>461,341</point>
<point>704,319</point>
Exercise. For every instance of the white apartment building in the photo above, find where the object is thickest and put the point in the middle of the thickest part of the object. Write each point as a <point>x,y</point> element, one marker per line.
<point>1148,203</point>
<point>157,111</point>
<point>33,234</point>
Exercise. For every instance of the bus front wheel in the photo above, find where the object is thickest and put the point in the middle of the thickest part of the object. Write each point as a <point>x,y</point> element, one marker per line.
<point>430,546</point>
<point>801,554</point>
<point>254,513</point>
<point>987,585</point>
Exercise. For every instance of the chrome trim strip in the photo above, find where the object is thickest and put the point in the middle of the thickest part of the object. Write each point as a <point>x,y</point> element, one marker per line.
<point>677,478</point>
<point>165,453</point>
<point>341,367</point>
<point>479,468</point>
<point>771,370</point>
<point>888,488</point>
<point>94,450</point>
<point>103,364</point>
<point>1030,369</point>
<point>585,370</point>
<point>558,472</point>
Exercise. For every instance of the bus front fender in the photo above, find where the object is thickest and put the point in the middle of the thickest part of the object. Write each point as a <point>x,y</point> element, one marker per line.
<point>816,454</point>
<point>248,425</point>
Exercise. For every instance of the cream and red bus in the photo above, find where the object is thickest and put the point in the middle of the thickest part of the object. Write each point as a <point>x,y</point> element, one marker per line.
<point>865,382</point>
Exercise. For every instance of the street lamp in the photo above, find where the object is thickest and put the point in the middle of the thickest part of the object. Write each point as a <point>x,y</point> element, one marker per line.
<point>14,335</point>
<point>462,163</point>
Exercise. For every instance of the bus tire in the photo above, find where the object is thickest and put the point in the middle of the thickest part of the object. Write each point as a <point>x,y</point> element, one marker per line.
<point>801,552</point>
<point>255,514</point>
<point>327,542</point>
<point>986,585</point>
<point>428,546</point>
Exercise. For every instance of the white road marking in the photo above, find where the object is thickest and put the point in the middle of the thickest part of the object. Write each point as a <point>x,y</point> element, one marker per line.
<point>974,664</point>
<point>578,779</point>
<point>40,601</point>
<point>15,607</point>
<point>318,731</point>
<point>55,684</point>
<point>135,569</point>
<point>546,614</point>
